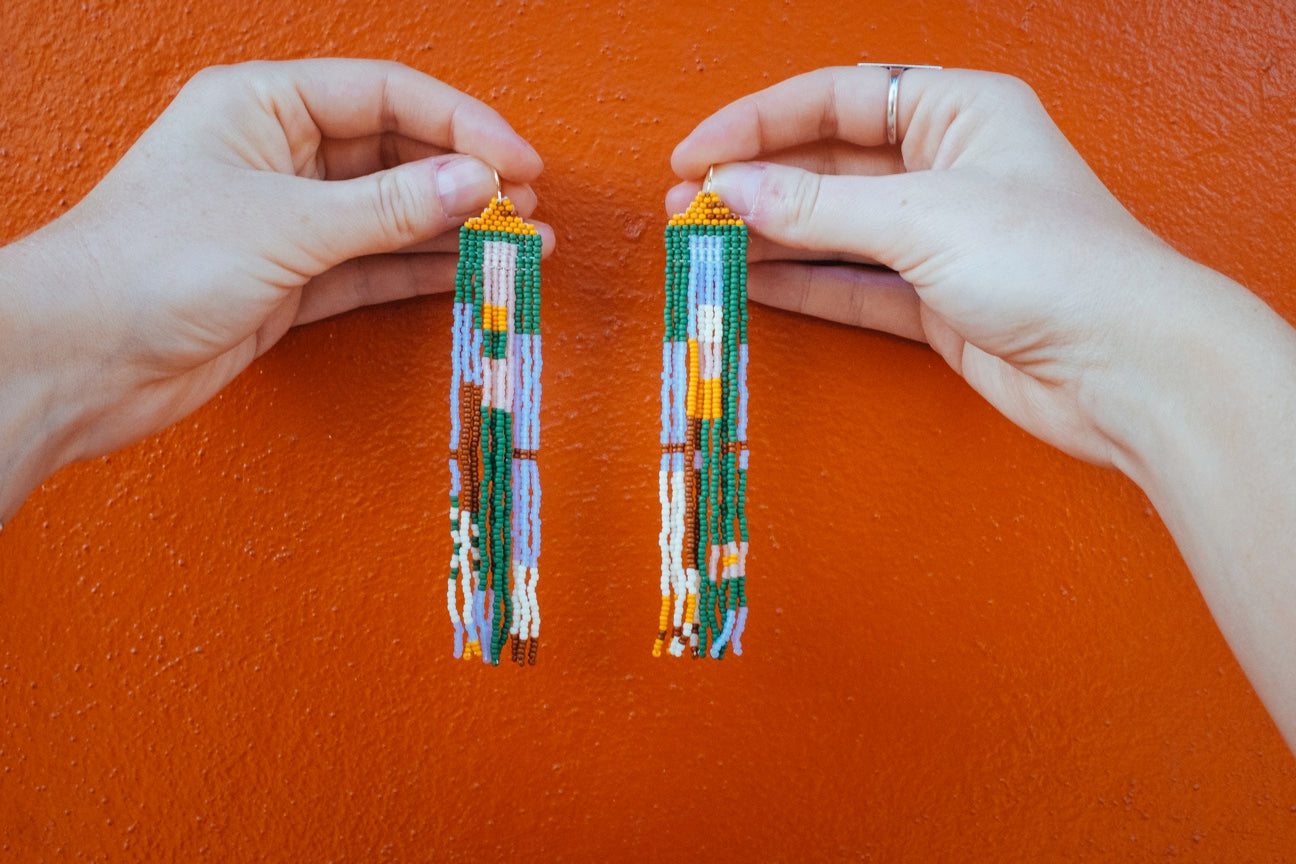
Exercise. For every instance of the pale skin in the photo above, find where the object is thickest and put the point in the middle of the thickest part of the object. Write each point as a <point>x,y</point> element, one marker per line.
<point>1032,282</point>
<point>267,195</point>
<point>275,194</point>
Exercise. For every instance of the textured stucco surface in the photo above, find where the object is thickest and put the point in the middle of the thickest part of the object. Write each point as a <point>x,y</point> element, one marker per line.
<point>228,642</point>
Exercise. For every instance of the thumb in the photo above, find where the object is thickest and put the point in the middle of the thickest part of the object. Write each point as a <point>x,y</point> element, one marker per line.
<point>863,215</point>
<point>389,210</point>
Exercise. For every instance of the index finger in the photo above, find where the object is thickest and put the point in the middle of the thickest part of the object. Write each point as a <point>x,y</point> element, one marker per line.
<point>847,103</point>
<point>348,98</point>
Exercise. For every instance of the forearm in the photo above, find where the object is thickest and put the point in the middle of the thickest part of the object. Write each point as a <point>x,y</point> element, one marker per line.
<point>25,455</point>
<point>1209,433</point>
<point>38,420</point>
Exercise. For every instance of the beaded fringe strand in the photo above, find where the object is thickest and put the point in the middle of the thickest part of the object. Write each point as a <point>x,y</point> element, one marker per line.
<point>494,438</point>
<point>702,480</point>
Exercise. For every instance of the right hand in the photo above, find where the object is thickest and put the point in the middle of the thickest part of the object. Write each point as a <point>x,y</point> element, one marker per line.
<point>1014,262</point>
<point>266,196</point>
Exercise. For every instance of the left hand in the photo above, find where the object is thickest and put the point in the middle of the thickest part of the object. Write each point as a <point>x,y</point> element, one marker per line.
<point>1005,252</point>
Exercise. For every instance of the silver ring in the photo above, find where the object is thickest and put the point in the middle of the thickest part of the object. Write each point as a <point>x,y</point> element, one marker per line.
<point>895,70</point>
<point>893,99</point>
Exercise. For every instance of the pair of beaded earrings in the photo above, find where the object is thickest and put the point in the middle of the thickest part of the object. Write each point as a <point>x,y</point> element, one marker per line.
<point>495,435</point>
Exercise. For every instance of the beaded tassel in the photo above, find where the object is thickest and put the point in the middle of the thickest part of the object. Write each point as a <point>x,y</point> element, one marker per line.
<point>494,438</point>
<point>702,478</point>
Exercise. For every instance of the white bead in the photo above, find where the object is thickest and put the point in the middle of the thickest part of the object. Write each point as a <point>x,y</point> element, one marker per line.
<point>450,601</point>
<point>535,605</point>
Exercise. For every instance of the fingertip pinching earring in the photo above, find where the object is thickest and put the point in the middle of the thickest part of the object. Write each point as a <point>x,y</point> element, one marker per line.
<point>495,437</point>
<point>702,477</point>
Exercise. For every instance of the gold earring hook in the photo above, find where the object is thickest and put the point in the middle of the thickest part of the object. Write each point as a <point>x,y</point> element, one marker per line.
<point>708,185</point>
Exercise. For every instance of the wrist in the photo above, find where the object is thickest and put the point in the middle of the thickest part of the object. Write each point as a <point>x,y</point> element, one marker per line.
<point>45,364</point>
<point>1210,363</point>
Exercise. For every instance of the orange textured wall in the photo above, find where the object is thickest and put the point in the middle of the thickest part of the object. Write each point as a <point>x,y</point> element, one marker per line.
<point>229,641</point>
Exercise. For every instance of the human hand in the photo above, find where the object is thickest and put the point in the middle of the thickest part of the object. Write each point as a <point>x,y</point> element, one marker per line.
<point>1014,262</point>
<point>217,232</point>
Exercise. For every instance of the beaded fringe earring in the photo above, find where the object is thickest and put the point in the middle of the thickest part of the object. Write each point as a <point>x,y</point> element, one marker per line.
<point>494,437</point>
<point>702,481</point>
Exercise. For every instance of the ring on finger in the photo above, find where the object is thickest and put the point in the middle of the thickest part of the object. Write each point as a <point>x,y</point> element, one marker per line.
<point>895,70</point>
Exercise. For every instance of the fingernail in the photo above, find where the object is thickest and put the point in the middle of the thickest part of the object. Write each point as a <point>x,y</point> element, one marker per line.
<point>464,186</point>
<point>739,187</point>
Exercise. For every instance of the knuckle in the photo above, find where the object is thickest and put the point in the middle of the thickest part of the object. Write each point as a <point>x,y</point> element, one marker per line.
<point>859,305</point>
<point>209,76</point>
<point>226,89</point>
<point>800,197</point>
<point>222,77</point>
<point>1013,89</point>
<point>399,207</point>
<point>206,82</point>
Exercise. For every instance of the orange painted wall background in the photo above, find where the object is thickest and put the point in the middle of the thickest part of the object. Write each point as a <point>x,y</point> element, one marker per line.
<point>229,642</point>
